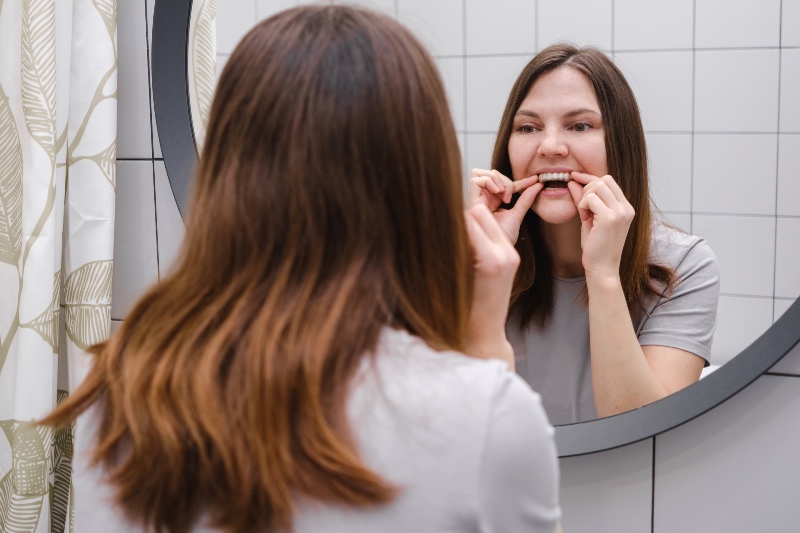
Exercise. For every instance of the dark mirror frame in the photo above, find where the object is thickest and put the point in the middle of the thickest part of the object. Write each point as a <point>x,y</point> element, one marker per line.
<point>174,120</point>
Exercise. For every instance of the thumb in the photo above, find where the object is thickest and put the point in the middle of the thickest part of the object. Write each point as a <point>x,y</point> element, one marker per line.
<point>525,200</point>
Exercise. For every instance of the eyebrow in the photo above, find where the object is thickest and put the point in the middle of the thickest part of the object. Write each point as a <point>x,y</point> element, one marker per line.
<point>574,112</point>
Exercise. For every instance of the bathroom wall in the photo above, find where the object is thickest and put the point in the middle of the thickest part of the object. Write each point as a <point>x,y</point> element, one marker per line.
<point>718,83</point>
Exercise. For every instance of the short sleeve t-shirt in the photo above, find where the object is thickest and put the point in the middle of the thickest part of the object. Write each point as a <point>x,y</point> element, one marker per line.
<point>556,360</point>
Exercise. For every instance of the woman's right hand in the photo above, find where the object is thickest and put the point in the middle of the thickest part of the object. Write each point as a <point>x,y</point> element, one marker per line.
<point>492,189</point>
<point>495,264</point>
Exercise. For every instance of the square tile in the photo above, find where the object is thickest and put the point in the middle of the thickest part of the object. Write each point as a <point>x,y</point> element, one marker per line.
<point>479,151</point>
<point>787,258</point>
<point>662,83</point>
<point>745,249</point>
<point>583,22</point>
<point>790,23</point>
<point>489,81</point>
<point>723,24</point>
<point>733,469</point>
<point>781,306</point>
<point>234,20</point>
<point>789,363</point>
<point>452,71</point>
<point>608,492</point>
<point>653,25</point>
<point>670,158</point>
<point>171,228</point>
<point>736,91</point>
<point>740,321</point>
<point>735,174</point>
<point>501,27</point>
<point>133,94</point>
<point>135,263</point>
<point>788,175</point>
<point>790,90</point>
<point>439,25</point>
<point>267,8</point>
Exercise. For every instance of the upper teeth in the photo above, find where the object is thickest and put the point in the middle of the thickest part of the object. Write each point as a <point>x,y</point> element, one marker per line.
<point>554,176</point>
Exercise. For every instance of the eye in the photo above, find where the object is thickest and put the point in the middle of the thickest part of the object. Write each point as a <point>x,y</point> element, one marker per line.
<point>581,127</point>
<point>526,128</point>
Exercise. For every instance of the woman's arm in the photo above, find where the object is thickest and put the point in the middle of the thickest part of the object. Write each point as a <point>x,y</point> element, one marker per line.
<point>624,374</point>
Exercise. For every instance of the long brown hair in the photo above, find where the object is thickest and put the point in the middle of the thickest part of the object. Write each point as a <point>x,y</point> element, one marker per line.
<point>626,152</point>
<point>327,204</point>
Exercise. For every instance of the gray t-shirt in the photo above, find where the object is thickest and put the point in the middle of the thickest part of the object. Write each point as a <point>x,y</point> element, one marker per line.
<point>556,360</point>
<point>465,439</point>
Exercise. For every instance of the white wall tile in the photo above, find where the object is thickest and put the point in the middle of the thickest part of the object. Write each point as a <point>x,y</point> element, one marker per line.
<point>735,173</point>
<point>781,306</point>
<point>745,249</point>
<point>655,24</point>
<point>135,265</point>
<point>388,7</point>
<point>787,257</point>
<point>501,26</point>
<point>734,469</point>
<point>789,175</point>
<point>681,220</point>
<point>234,19</point>
<point>790,363</point>
<point>171,228</point>
<point>740,321</point>
<point>662,83</point>
<point>156,142</point>
<point>479,150</point>
<point>489,81</point>
<point>452,71</point>
<point>790,23</point>
<point>439,25</point>
<point>267,8</point>
<point>133,95</point>
<point>736,90</point>
<point>583,22</point>
<point>722,23</point>
<point>670,158</point>
<point>608,492</point>
<point>790,90</point>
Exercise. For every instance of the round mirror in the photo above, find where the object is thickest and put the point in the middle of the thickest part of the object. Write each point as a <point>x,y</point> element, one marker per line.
<point>701,167</point>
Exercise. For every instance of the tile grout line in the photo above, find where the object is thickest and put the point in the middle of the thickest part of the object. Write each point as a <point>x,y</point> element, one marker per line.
<point>465,163</point>
<point>694,92</point>
<point>653,490</point>
<point>777,163</point>
<point>152,137</point>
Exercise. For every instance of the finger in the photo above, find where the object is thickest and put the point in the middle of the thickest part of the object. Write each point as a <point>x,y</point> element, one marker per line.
<point>521,185</point>
<point>583,178</point>
<point>488,224</point>
<point>477,237</point>
<point>505,183</point>
<point>604,193</point>
<point>594,204</point>
<point>486,182</point>
<point>525,200</point>
<point>576,191</point>
<point>614,188</point>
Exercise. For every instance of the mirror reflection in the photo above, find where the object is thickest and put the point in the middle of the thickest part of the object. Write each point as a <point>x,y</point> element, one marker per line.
<point>526,126</point>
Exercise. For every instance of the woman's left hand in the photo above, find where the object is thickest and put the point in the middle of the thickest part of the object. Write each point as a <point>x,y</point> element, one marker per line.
<point>606,216</point>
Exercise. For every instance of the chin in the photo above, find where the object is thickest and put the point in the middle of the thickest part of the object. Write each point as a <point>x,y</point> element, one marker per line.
<point>556,214</point>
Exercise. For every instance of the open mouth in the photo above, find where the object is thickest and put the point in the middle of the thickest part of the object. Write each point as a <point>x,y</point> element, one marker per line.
<point>555,180</point>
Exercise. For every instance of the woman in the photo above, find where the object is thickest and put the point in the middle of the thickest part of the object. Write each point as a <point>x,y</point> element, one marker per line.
<point>610,310</point>
<point>303,368</point>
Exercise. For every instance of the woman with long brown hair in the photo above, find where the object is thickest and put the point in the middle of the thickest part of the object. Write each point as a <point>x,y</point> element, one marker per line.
<point>303,366</point>
<point>610,309</point>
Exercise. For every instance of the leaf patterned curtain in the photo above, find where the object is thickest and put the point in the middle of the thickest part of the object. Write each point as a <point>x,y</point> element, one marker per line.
<point>58,124</point>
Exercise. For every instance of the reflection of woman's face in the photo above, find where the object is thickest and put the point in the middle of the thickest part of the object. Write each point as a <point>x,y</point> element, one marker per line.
<point>558,128</point>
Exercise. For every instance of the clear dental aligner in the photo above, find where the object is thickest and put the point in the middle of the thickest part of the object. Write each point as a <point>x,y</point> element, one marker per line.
<point>554,176</point>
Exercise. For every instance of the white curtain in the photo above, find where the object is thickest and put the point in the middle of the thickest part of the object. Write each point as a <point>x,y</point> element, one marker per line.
<point>58,128</point>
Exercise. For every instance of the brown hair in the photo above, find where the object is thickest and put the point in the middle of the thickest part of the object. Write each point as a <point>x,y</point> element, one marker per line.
<point>626,152</point>
<point>327,204</point>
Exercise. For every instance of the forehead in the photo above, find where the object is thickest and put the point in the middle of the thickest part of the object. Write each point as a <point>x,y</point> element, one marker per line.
<point>561,89</point>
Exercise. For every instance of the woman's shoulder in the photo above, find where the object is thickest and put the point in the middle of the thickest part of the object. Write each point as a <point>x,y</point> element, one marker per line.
<point>673,247</point>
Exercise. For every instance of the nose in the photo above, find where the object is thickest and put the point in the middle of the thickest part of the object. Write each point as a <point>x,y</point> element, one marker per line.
<point>553,144</point>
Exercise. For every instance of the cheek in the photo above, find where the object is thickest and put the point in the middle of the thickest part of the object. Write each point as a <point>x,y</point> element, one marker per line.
<point>520,154</point>
<point>593,157</point>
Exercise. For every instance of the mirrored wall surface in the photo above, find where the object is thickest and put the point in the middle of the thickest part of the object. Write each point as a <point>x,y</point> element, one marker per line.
<point>718,88</point>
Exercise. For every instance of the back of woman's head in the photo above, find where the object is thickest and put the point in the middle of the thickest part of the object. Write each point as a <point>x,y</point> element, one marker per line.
<point>327,204</point>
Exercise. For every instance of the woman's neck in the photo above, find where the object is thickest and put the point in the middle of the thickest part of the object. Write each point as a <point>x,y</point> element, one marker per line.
<point>564,243</point>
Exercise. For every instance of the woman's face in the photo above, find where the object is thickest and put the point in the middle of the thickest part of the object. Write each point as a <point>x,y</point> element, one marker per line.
<point>558,128</point>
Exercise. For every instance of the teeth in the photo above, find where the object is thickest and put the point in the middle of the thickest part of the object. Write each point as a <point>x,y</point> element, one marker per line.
<point>554,176</point>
